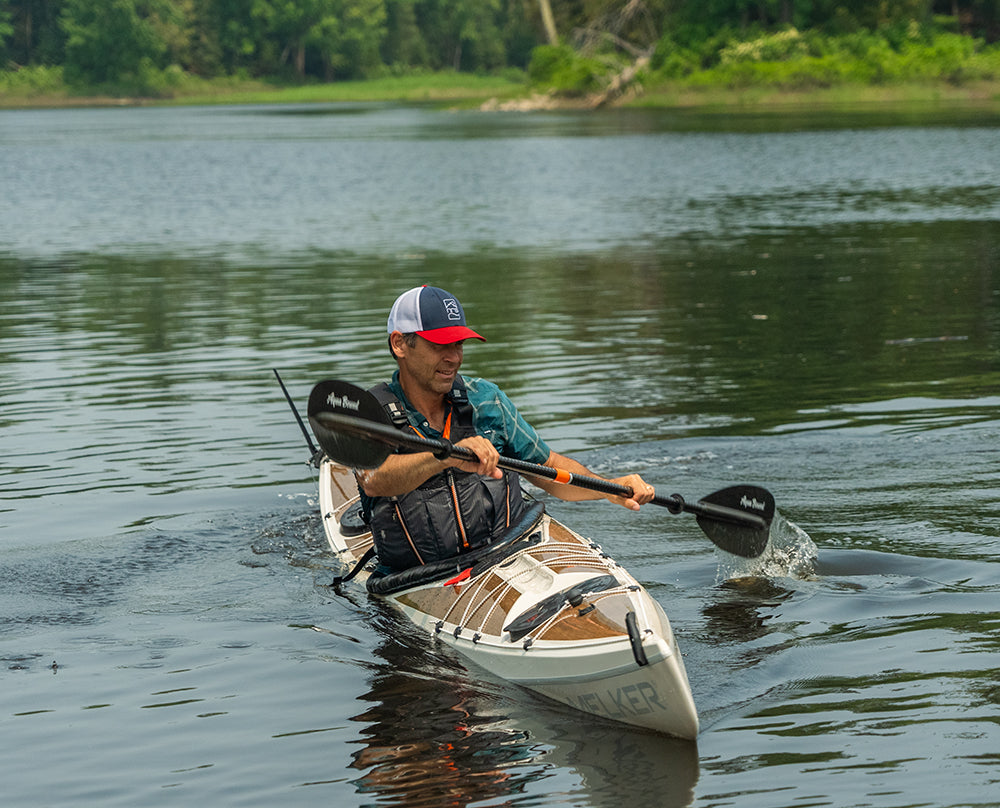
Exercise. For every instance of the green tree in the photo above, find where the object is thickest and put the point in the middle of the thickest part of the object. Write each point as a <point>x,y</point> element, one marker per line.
<point>229,36</point>
<point>977,17</point>
<point>111,41</point>
<point>287,23</point>
<point>106,41</point>
<point>177,25</point>
<point>522,29</point>
<point>463,34</point>
<point>403,44</point>
<point>34,36</point>
<point>352,47</point>
<point>843,15</point>
<point>6,31</point>
<point>342,36</point>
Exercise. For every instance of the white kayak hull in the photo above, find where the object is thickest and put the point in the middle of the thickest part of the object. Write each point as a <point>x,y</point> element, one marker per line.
<point>548,610</point>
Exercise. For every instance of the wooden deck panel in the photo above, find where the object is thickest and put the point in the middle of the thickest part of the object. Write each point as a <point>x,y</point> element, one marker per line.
<point>474,605</point>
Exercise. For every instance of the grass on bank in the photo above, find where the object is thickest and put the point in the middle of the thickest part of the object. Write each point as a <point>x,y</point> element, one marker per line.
<point>44,87</point>
<point>28,89</point>
<point>981,94</point>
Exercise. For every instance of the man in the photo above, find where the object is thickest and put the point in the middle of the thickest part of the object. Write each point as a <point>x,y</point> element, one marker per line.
<point>421,508</point>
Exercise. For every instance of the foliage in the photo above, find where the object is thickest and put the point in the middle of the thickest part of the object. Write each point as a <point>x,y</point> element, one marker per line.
<point>155,47</point>
<point>792,59</point>
<point>32,81</point>
<point>112,41</point>
<point>772,47</point>
<point>6,32</point>
<point>562,69</point>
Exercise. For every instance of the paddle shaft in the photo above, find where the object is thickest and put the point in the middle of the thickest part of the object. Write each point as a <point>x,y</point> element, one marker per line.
<point>443,449</point>
<point>295,412</point>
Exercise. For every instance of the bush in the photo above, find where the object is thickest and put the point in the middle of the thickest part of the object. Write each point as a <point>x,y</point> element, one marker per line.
<point>812,72</point>
<point>29,81</point>
<point>790,59</point>
<point>776,47</point>
<point>688,49</point>
<point>546,60</point>
<point>672,59</point>
<point>155,83</point>
<point>676,64</point>
<point>945,57</point>
<point>559,67</point>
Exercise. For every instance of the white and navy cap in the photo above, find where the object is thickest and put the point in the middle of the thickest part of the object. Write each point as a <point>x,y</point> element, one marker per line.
<point>434,314</point>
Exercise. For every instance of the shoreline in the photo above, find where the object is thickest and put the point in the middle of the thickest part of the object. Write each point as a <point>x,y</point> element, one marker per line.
<point>499,95</point>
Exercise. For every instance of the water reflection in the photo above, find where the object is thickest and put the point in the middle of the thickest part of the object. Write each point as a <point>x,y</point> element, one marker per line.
<point>741,612</point>
<point>437,734</point>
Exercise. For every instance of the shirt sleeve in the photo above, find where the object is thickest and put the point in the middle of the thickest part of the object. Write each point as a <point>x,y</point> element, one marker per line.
<point>498,420</point>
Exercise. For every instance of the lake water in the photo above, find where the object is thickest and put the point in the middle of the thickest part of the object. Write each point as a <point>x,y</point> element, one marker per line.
<point>807,306</point>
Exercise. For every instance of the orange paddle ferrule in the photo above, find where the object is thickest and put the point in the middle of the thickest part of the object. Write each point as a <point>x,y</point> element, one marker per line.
<point>563,476</point>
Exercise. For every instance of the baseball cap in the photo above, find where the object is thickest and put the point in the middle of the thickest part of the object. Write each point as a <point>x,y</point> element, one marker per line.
<point>434,314</point>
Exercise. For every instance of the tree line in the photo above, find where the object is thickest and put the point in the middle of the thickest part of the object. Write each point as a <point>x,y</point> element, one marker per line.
<point>97,42</point>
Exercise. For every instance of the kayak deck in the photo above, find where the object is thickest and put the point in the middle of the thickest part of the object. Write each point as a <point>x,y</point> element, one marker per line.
<point>543,607</point>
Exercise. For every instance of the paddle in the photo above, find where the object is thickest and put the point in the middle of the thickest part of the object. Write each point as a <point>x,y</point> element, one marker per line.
<point>305,432</point>
<point>353,429</point>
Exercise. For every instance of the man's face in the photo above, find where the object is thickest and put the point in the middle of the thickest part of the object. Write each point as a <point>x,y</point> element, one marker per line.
<point>431,366</point>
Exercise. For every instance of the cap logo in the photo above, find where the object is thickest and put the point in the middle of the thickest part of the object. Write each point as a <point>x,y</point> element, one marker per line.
<point>451,308</point>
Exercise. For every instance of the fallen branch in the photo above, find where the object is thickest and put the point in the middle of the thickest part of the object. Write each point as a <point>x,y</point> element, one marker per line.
<point>620,84</point>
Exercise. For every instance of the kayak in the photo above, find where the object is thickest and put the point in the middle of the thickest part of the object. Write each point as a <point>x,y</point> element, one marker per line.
<point>541,606</point>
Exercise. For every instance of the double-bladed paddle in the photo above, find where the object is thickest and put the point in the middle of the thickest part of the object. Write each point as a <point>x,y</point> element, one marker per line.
<point>295,412</point>
<point>354,429</point>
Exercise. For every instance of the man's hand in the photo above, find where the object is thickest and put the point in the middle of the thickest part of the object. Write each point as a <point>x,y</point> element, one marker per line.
<point>642,492</point>
<point>487,454</point>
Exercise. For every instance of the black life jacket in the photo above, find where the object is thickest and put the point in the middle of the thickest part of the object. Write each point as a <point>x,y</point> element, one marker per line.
<point>450,513</point>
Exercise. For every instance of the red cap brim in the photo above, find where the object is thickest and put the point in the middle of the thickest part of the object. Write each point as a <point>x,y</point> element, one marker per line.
<point>446,336</point>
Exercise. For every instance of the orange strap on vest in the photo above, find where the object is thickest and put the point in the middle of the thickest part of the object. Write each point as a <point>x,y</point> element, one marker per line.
<point>447,427</point>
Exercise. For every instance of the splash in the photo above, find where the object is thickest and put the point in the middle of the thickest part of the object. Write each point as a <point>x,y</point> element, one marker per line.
<point>790,553</point>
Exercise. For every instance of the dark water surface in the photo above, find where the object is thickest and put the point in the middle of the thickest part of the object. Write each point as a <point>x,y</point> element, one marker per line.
<point>816,311</point>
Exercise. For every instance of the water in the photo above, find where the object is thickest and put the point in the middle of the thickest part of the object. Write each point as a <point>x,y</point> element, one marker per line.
<point>810,309</point>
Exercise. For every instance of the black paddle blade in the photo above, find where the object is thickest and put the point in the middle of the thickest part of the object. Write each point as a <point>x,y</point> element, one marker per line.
<point>342,398</point>
<point>738,538</point>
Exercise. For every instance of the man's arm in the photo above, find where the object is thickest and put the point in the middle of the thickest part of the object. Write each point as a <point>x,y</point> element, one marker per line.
<point>643,492</point>
<point>401,473</point>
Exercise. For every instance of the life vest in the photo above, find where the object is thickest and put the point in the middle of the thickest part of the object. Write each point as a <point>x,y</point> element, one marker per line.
<point>450,513</point>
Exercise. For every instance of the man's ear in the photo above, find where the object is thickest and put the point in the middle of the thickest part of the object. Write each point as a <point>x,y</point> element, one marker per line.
<point>397,344</point>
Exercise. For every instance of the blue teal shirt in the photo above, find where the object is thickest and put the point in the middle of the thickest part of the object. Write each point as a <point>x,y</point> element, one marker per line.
<point>494,416</point>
